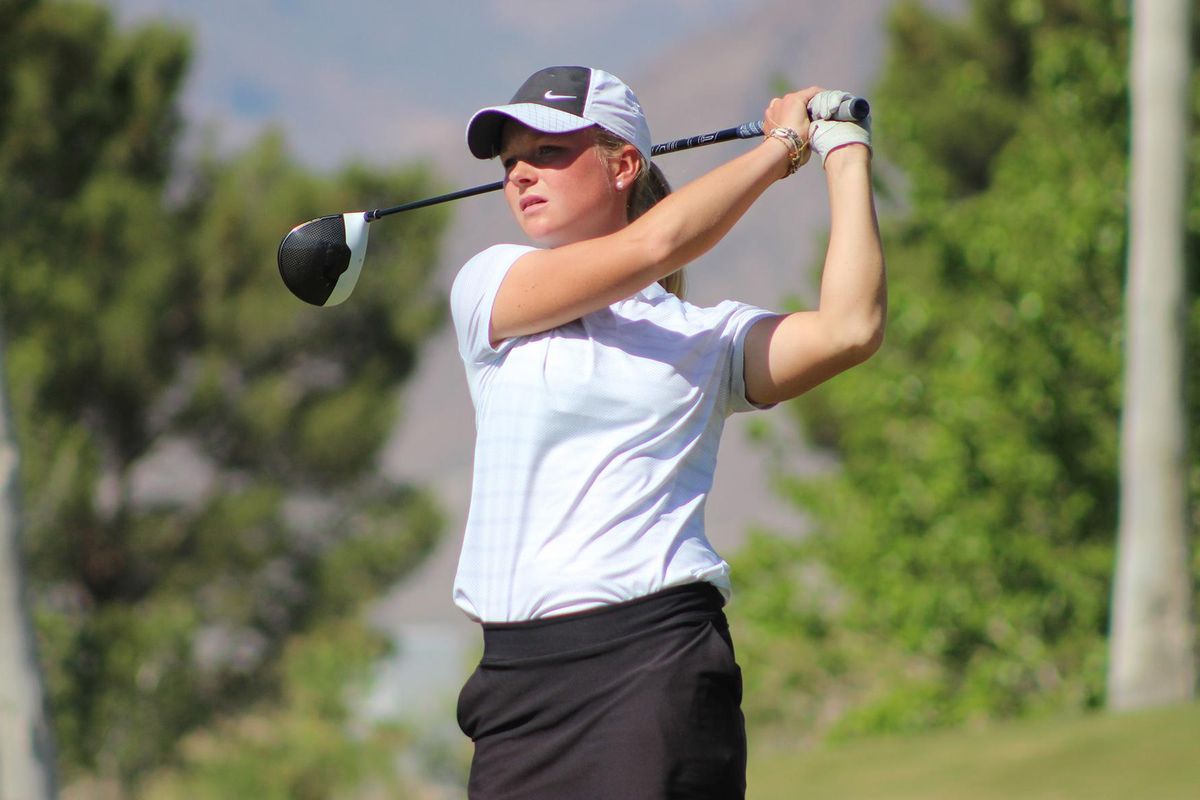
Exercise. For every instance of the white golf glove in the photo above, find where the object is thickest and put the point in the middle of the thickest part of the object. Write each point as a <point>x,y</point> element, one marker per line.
<point>826,135</point>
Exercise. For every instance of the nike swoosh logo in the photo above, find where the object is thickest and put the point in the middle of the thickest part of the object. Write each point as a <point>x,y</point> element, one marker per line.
<point>549,95</point>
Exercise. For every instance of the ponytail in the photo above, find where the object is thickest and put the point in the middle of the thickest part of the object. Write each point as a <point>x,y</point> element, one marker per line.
<point>648,188</point>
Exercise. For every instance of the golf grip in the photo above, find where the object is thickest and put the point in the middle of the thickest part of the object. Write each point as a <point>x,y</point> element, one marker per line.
<point>853,109</point>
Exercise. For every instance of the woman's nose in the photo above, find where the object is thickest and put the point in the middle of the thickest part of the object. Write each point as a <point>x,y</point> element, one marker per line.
<point>521,173</point>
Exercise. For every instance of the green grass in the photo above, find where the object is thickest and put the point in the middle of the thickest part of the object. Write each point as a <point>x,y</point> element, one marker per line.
<point>1153,755</point>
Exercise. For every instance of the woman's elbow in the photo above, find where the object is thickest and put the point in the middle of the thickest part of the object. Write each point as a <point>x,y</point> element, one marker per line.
<point>862,340</point>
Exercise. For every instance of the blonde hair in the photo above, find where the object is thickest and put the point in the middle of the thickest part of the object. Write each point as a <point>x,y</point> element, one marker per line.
<point>648,188</point>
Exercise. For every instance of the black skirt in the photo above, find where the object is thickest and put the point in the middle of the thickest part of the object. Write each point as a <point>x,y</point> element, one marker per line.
<point>636,700</point>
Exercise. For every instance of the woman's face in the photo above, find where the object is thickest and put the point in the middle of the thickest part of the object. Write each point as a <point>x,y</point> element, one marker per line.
<point>558,187</point>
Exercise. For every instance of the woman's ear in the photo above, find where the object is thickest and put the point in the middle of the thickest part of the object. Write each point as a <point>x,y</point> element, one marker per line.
<point>625,167</point>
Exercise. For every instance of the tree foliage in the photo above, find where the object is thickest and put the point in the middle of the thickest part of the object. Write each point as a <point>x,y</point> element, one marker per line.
<point>199,448</point>
<point>961,561</point>
<point>304,747</point>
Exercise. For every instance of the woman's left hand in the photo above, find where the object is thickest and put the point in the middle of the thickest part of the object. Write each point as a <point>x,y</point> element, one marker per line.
<point>826,134</point>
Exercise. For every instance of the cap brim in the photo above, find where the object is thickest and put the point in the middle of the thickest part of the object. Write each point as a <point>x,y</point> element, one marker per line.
<point>483,131</point>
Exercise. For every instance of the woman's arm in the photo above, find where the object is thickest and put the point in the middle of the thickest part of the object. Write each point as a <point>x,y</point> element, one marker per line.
<point>786,356</point>
<point>547,288</point>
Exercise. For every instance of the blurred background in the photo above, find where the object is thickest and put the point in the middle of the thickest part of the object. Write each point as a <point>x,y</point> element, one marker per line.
<point>232,534</point>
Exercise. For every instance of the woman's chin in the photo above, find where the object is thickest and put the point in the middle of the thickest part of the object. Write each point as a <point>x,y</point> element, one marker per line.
<point>543,237</point>
<point>542,234</point>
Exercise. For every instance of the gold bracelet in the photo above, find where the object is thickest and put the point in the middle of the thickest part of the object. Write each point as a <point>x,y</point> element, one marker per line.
<point>798,152</point>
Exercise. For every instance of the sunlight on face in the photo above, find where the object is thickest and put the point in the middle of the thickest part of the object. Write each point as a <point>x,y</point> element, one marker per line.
<point>559,187</point>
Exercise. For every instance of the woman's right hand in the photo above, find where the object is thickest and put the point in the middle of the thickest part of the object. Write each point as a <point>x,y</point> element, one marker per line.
<point>790,111</point>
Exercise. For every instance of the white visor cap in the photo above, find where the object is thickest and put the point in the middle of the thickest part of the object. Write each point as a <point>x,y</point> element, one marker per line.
<point>562,100</point>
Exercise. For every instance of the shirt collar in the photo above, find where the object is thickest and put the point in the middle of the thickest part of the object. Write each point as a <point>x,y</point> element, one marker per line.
<point>653,291</point>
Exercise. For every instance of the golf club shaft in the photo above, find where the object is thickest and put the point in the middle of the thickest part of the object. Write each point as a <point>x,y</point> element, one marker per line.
<point>856,108</point>
<point>433,201</point>
<point>749,130</point>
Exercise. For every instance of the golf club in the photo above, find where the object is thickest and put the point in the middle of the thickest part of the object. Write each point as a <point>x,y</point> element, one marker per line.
<point>320,260</point>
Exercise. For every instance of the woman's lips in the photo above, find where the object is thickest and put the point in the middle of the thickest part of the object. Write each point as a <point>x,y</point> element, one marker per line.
<point>530,201</point>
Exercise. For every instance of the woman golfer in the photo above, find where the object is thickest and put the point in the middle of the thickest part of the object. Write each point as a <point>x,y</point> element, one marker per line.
<point>608,670</point>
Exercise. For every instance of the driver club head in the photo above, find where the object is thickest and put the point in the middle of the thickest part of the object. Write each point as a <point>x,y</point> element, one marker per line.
<point>320,260</point>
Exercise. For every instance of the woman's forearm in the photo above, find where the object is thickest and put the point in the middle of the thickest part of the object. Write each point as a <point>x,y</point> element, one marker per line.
<point>690,221</point>
<point>853,293</point>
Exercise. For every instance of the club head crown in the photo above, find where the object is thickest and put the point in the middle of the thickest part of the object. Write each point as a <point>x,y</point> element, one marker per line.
<point>320,260</point>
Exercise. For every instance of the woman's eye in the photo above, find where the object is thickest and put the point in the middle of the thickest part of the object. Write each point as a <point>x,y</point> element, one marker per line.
<point>541,154</point>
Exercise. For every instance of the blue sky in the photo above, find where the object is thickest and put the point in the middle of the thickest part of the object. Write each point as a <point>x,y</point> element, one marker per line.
<point>383,80</point>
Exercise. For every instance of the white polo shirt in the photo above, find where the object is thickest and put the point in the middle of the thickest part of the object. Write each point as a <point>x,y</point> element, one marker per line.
<point>595,448</point>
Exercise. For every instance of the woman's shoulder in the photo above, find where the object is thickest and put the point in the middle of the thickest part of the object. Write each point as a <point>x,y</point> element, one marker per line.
<point>688,310</point>
<point>498,254</point>
<point>487,263</point>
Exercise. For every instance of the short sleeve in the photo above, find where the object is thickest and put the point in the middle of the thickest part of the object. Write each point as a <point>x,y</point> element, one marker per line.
<point>472,296</point>
<point>740,322</point>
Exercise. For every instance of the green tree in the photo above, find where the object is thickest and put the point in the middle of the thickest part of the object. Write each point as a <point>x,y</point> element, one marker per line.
<point>961,561</point>
<point>199,448</point>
